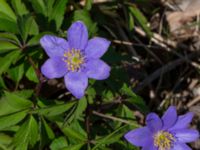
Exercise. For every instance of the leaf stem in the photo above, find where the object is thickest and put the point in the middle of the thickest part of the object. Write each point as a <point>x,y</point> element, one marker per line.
<point>39,76</point>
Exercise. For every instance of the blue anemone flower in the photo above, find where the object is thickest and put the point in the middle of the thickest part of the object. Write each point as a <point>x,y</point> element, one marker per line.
<point>170,132</point>
<point>76,59</point>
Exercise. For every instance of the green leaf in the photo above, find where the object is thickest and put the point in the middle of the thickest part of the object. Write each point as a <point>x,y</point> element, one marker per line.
<point>31,26</point>
<point>6,12</point>
<point>9,37</point>
<point>6,46</point>
<point>91,95</point>
<point>5,108</point>
<point>131,21</point>
<point>36,39</point>
<point>76,126</point>
<point>5,139</point>
<point>49,7</point>
<point>30,74</point>
<point>59,143</point>
<point>112,137</point>
<point>48,131</point>
<point>8,26</point>
<point>39,6</point>
<point>5,142</point>
<point>58,12</point>
<point>134,99</point>
<point>74,147</point>
<point>26,135</point>
<point>88,4</point>
<point>11,119</point>
<point>26,94</point>
<point>82,105</point>
<point>16,73</point>
<point>2,84</point>
<point>19,7</point>
<point>127,113</point>
<point>27,26</point>
<point>124,112</point>
<point>55,109</point>
<point>2,147</point>
<point>17,102</point>
<point>141,19</point>
<point>8,60</point>
<point>14,128</point>
<point>9,107</point>
<point>84,16</point>
<point>71,133</point>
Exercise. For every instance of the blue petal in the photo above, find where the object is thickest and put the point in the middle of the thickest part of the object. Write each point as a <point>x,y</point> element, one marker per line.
<point>180,146</point>
<point>186,135</point>
<point>96,47</point>
<point>139,137</point>
<point>169,118</point>
<point>54,68</point>
<point>76,83</point>
<point>77,35</point>
<point>97,69</point>
<point>149,146</point>
<point>54,46</point>
<point>183,121</point>
<point>153,122</point>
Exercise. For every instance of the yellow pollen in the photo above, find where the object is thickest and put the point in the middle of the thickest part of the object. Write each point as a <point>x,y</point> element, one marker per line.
<point>73,59</point>
<point>163,140</point>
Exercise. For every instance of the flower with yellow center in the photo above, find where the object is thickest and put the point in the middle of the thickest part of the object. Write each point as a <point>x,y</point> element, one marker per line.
<point>74,59</point>
<point>170,132</point>
<point>163,140</point>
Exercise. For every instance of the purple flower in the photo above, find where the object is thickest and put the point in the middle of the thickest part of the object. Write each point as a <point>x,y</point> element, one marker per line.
<point>76,59</point>
<point>170,132</point>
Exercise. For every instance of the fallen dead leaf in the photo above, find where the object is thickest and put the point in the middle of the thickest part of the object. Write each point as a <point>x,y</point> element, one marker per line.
<point>181,20</point>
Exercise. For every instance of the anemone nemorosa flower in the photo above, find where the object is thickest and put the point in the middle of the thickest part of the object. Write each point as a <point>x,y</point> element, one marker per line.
<point>170,132</point>
<point>76,59</point>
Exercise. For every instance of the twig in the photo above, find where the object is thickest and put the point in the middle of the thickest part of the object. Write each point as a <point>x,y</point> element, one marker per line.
<point>168,67</point>
<point>128,43</point>
<point>157,39</point>
<point>113,118</point>
<point>194,101</point>
<point>125,38</point>
<point>123,42</point>
<point>149,51</point>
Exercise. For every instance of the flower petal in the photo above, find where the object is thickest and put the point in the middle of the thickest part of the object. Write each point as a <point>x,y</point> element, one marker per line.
<point>54,68</point>
<point>139,137</point>
<point>186,135</point>
<point>76,83</point>
<point>97,69</point>
<point>180,146</point>
<point>149,146</point>
<point>183,121</point>
<point>77,35</point>
<point>169,118</point>
<point>96,47</point>
<point>153,122</point>
<point>54,46</point>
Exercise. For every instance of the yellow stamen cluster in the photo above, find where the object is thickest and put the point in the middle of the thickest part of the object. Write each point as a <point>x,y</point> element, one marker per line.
<point>74,59</point>
<point>163,140</point>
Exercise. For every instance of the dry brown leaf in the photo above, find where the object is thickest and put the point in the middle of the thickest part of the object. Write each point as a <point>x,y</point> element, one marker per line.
<point>180,19</point>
